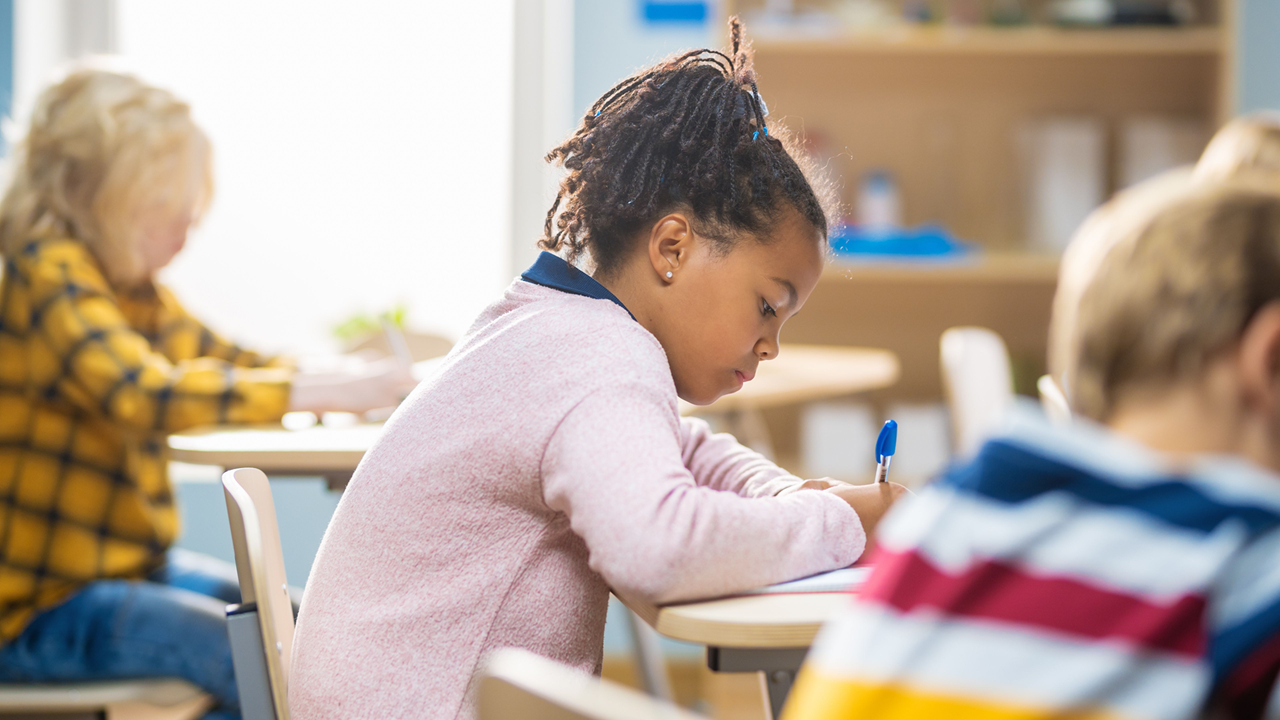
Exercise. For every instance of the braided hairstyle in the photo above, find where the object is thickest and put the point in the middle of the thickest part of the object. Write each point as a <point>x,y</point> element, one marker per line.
<point>689,132</point>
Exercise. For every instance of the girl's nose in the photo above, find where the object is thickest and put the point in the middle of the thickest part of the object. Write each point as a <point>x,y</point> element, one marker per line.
<point>767,348</point>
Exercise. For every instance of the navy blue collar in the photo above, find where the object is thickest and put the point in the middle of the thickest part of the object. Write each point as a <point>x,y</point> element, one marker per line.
<point>552,271</point>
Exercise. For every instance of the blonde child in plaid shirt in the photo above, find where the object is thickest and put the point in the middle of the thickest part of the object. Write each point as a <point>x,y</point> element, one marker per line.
<point>97,364</point>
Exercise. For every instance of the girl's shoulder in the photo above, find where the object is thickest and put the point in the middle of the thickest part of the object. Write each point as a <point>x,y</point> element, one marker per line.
<point>576,331</point>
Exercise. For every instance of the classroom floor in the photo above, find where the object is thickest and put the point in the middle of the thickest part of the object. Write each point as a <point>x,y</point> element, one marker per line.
<point>721,696</point>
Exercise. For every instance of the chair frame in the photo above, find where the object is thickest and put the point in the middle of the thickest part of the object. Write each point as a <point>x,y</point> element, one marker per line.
<point>159,699</point>
<point>254,624</point>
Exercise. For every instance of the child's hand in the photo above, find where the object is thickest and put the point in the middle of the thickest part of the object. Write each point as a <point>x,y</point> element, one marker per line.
<point>357,387</point>
<point>870,501</point>
<point>818,484</point>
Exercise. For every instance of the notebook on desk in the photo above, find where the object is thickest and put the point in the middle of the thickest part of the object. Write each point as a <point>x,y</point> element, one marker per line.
<point>842,580</point>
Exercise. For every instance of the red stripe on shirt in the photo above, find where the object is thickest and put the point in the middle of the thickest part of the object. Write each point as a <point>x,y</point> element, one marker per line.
<point>998,591</point>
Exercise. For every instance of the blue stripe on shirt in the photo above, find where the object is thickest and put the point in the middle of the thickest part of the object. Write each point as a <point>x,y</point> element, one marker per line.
<point>1011,474</point>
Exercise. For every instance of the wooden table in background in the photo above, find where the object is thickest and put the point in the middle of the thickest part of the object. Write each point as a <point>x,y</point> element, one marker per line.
<point>328,452</point>
<point>802,373</point>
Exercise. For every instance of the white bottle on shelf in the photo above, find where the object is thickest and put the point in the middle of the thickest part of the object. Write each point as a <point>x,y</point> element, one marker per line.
<point>879,206</point>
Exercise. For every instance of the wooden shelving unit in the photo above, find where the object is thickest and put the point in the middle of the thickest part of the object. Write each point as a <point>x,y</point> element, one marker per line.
<point>1022,41</point>
<point>941,107</point>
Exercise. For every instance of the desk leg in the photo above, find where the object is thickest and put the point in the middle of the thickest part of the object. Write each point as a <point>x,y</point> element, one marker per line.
<point>647,653</point>
<point>778,665</point>
<point>777,684</point>
<point>337,481</point>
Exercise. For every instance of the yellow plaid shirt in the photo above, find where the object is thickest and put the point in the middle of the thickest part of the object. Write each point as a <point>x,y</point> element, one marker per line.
<point>91,381</point>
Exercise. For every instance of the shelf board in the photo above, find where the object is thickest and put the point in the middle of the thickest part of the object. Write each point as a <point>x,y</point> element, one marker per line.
<point>979,268</point>
<point>997,41</point>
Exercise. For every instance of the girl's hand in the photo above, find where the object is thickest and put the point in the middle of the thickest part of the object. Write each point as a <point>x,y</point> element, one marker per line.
<point>870,501</point>
<point>818,484</point>
<point>354,387</point>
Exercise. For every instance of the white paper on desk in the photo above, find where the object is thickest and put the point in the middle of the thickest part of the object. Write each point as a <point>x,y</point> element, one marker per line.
<point>834,581</point>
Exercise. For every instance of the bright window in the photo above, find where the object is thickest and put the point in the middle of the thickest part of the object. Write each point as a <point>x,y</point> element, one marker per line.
<point>362,154</point>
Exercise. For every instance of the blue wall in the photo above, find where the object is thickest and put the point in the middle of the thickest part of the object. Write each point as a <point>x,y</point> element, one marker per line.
<point>1259,43</point>
<point>303,509</point>
<point>614,38</point>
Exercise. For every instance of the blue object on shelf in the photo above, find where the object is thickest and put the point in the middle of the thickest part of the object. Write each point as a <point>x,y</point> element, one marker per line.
<point>887,442</point>
<point>674,11</point>
<point>927,242</point>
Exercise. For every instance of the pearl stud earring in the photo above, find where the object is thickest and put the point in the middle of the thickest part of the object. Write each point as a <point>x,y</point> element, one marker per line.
<point>668,274</point>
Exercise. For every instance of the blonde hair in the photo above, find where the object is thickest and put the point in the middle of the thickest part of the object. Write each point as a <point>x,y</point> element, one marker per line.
<point>1247,144</point>
<point>103,147</point>
<point>1168,297</point>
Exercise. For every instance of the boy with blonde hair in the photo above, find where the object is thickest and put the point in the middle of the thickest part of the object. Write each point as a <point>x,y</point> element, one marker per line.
<point>1127,565</point>
<point>1245,150</point>
<point>98,363</point>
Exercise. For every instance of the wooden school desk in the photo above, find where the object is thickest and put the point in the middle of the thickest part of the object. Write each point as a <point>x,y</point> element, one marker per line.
<point>331,453</point>
<point>755,633</point>
<point>801,373</point>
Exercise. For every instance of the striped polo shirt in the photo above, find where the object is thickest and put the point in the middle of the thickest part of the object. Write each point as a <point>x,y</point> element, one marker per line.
<point>1064,572</point>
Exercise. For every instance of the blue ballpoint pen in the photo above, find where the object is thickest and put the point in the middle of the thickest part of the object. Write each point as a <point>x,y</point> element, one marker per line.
<point>886,445</point>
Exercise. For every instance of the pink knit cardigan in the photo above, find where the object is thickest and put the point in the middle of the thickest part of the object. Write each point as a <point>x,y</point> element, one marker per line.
<point>542,465</point>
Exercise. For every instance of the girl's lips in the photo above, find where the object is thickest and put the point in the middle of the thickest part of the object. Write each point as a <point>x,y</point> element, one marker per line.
<point>742,377</point>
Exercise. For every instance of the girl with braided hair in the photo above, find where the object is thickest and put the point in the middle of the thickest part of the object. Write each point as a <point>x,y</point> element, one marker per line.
<point>546,461</point>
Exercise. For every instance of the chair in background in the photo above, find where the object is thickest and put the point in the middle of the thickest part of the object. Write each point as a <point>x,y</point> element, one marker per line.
<point>1053,400</point>
<point>159,699</point>
<point>979,384</point>
<point>519,684</point>
<point>261,626</point>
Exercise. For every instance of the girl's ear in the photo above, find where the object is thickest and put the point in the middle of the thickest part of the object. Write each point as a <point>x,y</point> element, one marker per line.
<point>670,241</point>
<point>1259,359</point>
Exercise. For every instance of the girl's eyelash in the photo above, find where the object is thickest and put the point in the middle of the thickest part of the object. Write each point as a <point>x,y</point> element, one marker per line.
<point>768,309</point>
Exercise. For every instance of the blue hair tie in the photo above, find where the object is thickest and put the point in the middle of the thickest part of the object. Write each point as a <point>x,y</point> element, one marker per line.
<point>754,134</point>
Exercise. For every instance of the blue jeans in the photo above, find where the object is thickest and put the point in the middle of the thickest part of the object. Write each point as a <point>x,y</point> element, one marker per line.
<point>173,624</point>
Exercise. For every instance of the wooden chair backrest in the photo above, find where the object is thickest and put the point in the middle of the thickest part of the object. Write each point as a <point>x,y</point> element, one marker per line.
<point>1053,400</point>
<point>260,565</point>
<point>519,684</point>
<point>979,383</point>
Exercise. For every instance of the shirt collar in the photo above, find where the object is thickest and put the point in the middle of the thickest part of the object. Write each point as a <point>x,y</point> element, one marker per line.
<point>552,271</point>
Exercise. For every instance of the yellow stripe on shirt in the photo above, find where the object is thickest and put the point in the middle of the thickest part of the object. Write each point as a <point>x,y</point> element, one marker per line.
<point>819,696</point>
